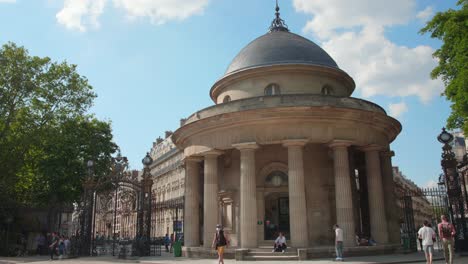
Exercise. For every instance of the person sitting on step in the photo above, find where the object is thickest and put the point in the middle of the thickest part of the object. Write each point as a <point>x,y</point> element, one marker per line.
<point>280,243</point>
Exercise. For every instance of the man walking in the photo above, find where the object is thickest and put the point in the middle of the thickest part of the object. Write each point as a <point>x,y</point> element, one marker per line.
<point>427,237</point>
<point>338,243</point>
<point>53,245</point>
<point>447,233</point>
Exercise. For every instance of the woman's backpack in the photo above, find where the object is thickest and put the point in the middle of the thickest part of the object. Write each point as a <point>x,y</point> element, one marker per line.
<point>220,239</point>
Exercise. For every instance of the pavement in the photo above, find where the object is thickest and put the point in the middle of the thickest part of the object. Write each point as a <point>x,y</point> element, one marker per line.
<point>167,258</point>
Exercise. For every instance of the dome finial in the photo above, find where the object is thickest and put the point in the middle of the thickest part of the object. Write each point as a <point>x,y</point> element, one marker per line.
<point>278,24</point>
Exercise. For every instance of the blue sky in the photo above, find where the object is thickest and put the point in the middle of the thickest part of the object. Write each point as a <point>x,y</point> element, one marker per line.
<point>152,62</point>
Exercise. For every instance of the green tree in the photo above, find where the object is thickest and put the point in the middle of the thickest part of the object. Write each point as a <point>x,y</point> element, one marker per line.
<point>46,135</point>
<point>451,27</point>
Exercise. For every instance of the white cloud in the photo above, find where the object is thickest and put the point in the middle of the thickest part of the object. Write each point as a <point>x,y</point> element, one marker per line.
<point>425,14</point>
<point>353,33</point>
<point>8,1</point>
<point>81,14</point>
<point>161,11</point>
<point>430,184</point>
<point>396,110</point>
<point>329,15</point>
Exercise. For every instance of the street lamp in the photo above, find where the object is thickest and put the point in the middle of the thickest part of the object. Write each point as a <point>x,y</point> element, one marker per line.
<point>120,164</point>
<point>454,190</point>
<point>8,221</point>
<point>90,165</point>
<point>147,160</point>
<point>146,185</point>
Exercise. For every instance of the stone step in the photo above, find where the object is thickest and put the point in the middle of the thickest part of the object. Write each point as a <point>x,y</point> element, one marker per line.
<point>269,249</point>
<point>270,258</point>
<point>271,254</point>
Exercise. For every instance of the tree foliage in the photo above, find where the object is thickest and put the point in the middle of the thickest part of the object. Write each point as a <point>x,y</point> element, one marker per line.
<point>46,135</point>
<point>451,27</point>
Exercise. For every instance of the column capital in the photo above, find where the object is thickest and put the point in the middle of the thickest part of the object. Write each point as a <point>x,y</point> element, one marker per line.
<point>372,147</point>
<point>340,143</point>
<point>193,158</point>
<point>212,152</point>
<point>387,153</point>
<point>246,146</point>
<point>294,142</point>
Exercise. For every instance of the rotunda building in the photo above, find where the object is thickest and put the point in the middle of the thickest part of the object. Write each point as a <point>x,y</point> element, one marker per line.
<point>285,148</point>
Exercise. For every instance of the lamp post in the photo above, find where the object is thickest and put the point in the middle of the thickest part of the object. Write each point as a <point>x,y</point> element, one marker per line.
<point>90,165</point>
<point>454,186</point>
<point>87,211</point>
<point>146,185</point>
<point>119,165</point>
<point>8,221</point>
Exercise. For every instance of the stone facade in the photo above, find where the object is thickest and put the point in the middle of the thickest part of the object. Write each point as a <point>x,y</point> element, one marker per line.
<point>422,207</point>
<point>168,186</point>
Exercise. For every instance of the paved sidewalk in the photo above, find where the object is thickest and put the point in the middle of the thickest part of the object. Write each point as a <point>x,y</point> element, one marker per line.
<point>169,259</point>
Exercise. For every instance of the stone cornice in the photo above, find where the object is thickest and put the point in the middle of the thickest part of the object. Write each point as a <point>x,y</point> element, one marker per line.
<point>340,143</point>
<point>213,153</point>
<point>387,153</point>
<point>284,100</point>
<point>294,142</point>
<point>372,147</point>
<point>193,158</point>
<point>321,117</point>
<point>246,146</point>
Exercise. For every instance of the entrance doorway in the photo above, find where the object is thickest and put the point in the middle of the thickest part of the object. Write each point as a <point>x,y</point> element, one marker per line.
<point>276,215</point>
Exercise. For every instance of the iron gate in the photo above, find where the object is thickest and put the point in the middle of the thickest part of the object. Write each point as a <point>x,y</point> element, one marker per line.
<point>436,200</point>
<point>101,189</point>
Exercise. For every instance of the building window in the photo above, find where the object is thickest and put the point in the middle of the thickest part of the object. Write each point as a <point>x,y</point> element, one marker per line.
<point>276,179</point>
<point>272,89</point>
<point>227,99</point>
<point>327,90</point>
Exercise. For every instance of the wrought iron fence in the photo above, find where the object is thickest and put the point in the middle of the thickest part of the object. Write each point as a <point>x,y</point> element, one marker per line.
<point>437,200</point>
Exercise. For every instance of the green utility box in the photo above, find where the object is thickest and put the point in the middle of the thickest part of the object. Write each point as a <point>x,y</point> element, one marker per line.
<point>177,249</point>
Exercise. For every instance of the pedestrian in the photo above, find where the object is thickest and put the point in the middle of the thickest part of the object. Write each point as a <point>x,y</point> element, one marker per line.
<point>338,242</point>
<point>66,242</point>
<point>427,236</point>
<point>280,243</point>
<point>53,245</point>
<point>41,244</point>
<point>219,243</point>
<point>61,246</point>
<point>171,243</point>
<point>420,240</point>
<point>167,241</point>
<point>447,233</point>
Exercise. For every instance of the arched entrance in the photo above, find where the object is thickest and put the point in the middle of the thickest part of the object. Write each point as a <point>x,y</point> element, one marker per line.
<point>276,201</point>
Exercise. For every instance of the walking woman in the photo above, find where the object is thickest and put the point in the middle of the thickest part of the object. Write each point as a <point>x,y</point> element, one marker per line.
<point>219,243</point>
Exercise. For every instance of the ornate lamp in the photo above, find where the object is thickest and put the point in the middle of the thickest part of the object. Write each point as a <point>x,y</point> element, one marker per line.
<point>454,190</point>
<point>147,160</point>
<point>445,137</point>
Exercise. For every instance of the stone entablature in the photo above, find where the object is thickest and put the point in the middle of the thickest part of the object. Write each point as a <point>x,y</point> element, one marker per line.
<point>270,120</point>
<point>305,100</point>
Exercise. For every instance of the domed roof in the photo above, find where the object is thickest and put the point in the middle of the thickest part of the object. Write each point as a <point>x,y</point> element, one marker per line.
<point>280,47</point>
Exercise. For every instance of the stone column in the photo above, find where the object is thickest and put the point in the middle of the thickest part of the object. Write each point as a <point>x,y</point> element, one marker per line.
<point>192,201</point>
<point>378,220</point>
<point>343,191</point>
<point>210,197</point>
<point>248,201</point>
<point>297,199</point>
<point>391,207</point>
